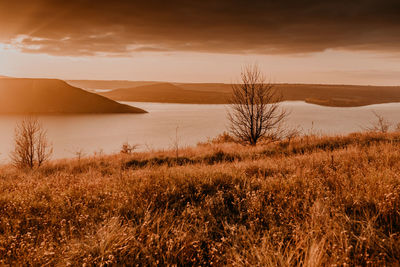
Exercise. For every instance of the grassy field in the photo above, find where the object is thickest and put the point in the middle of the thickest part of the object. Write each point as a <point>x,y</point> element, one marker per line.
<point>312,201</point>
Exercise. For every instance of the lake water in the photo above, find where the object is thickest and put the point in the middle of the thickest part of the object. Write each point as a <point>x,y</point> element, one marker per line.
<point>192,123</point>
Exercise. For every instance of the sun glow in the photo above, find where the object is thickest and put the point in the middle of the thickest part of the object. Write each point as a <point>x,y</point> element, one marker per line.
<point>4,48</point>
<point>344,67</point>
<point>4,56</point>
<point>8,58</point>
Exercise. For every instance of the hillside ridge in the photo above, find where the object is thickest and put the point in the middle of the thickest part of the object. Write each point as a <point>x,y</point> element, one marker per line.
<point>218,93</point>
<point>27,95</point>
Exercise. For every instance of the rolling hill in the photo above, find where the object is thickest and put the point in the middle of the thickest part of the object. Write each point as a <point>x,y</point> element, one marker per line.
<point>340,95</point>
<point>334,198</point>
<point>54,96</point>
<point>106,85</point>
<point>218,93</point>
<point>167,93</point>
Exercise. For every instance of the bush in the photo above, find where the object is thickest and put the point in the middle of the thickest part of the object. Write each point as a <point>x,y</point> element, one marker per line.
<point>127,148</point>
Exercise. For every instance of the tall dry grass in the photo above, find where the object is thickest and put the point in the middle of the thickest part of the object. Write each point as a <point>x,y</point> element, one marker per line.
<point>312,201</point>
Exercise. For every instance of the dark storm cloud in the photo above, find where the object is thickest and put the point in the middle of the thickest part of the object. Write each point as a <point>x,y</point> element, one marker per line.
<point>83,27</point>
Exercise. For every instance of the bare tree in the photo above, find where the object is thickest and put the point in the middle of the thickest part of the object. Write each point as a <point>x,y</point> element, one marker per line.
<point>255,107</point>
<point>31,147</point>
<point>381,124</point>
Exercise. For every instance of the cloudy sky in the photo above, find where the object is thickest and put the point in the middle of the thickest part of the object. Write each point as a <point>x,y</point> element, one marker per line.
<point>306,41</point>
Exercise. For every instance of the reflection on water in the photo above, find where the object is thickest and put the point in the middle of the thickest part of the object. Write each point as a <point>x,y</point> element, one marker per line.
<point>156,129</point>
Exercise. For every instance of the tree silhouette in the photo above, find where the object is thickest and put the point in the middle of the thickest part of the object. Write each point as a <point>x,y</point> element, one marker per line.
<point>31,147</point>
<point>255,107</point>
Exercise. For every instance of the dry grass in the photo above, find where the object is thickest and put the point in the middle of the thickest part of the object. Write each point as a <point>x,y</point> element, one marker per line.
<point>314,201</point>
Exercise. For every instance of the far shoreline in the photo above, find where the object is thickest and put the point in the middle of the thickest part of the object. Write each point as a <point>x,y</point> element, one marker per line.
<point>285,101</point>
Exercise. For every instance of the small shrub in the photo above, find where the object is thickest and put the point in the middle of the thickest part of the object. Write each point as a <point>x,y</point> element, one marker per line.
<point>128,148</point>
<point>225,137</point>
<point>381,125</point>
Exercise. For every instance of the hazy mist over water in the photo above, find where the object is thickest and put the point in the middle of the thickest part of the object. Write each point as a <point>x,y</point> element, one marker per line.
<point>192,123</point>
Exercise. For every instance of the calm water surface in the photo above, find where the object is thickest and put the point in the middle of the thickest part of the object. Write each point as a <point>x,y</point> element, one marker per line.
<point>193,123</point>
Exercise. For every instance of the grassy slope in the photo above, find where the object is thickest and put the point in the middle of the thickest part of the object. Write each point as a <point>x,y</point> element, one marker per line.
<point>53,96</point>
<point>340,95</point>
<point>321,201</point>
<point>105,85</point>
<point>217,93</point>
<point>167,93</point>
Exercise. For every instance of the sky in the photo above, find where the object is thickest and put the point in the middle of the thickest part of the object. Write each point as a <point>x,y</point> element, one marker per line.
<point>294,41</point>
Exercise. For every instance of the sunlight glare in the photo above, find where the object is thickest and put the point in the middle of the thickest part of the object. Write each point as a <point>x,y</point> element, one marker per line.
<point>3,55</point>
<point>6,57</point>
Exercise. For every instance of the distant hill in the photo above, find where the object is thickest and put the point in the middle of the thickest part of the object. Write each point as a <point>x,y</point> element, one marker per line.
<point>208,87</point>
<point>54,96</point>
<point>218,93</point>
<point>167,93</point>
<point>106,85</point>
<point>340,95</point>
